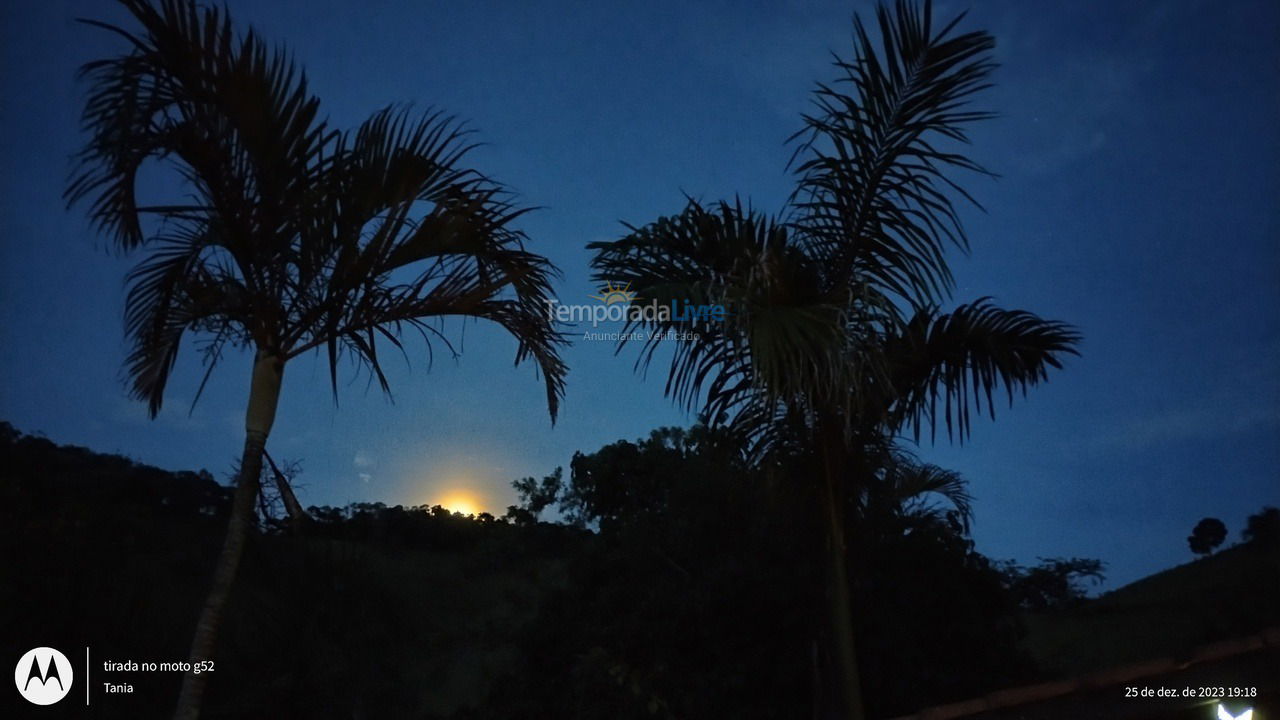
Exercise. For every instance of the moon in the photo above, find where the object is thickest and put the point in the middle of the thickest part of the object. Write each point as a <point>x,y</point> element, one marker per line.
<point>461,501</point>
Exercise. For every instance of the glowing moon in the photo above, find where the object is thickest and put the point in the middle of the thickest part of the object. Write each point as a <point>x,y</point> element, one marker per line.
<point>461,501</point>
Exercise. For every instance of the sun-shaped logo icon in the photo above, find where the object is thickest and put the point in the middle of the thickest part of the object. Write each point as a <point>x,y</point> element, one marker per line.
<point>610,294</point>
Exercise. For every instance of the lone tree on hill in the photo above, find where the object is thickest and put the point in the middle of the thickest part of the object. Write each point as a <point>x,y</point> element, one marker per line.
<point>1263,527</point>
<point>1207,536</point>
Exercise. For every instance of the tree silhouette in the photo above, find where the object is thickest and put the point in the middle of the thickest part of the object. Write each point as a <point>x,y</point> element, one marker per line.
<point>276,496</point>
<point>296,236</point>
<point>1207,535</point>
<point>902,493</point>
<point>686,525</point>
<point>833,338</point>
<point>1054,584</point>
<point>534,496</point>
<point>1263,528</point>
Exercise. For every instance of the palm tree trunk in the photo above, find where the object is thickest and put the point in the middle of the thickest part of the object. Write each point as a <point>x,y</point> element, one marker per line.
<point>847,680</point>
<point>264,392</point>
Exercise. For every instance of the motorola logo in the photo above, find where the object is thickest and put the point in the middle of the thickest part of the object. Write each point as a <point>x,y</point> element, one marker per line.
<point>43,676</point>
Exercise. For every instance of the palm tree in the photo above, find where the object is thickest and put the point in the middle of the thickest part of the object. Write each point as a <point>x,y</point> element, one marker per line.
<point>904,493</point>
<point>294,236</point>
<point>834,333</point>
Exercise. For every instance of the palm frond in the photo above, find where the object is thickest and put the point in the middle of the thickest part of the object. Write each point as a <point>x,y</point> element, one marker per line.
<point>403,235</point>
<point>779,337</point>
<point>873,201</point>
<point>922,490</point>
<point>234,120</point>
<point>182,286</point>
<point>963,358</point>
<point>235,116</point>
<point>296,236</point>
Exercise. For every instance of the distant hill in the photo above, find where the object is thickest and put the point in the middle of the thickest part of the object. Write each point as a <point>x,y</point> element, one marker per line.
<point>41,472</point>
<point>1231,593</point>
<point>377,611</point>
<point>105,552</point>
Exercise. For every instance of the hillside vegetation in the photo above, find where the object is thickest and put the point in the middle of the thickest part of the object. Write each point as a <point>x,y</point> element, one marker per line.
<point>1232,593</point>
<point>675,588</point>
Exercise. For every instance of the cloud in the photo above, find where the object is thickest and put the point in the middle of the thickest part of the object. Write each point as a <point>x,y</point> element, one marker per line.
<point>1206,422</point>
<point>363,460</point>
<point>1220,414</point>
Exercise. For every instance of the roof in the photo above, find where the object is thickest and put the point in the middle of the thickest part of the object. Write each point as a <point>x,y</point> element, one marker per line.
<point>1029,694</point>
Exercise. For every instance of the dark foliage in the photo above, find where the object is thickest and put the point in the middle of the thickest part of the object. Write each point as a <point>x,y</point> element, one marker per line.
<point>1263,528</point>
<point>683,585</point>
<point>701,595</point>
<point>342,620</point>
<point>1207,535</point>
<point>1054,584</point>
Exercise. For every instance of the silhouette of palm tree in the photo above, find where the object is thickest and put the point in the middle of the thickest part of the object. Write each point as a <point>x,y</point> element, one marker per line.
<point>904,493</point>
<point>296,236</point>
<point>833,328</point>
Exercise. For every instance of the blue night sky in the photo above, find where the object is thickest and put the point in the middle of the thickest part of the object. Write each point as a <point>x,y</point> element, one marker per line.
<point>1139,164</point>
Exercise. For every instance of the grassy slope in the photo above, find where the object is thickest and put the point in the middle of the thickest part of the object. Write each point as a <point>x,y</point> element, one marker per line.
<point>1232,593</point>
